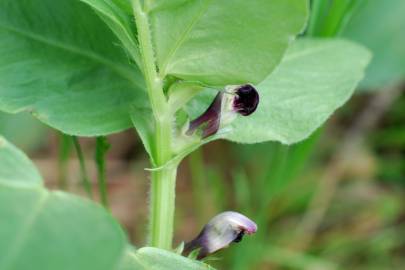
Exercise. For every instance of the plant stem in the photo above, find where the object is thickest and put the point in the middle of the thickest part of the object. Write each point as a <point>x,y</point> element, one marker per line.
<point>84,176</point>
<point>162,207</point>
<point>102,147</point>
<point>63,158</point>
<point>162,194</point>
<point>318,12</point>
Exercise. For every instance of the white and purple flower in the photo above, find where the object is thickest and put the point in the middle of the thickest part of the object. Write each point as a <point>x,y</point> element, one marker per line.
<point>222,230</point>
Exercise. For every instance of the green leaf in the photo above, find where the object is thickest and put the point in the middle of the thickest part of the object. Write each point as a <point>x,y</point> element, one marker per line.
<point>15,168</point>
<point>223,42</point>
<point>314,79</point>
<point>143,121</point>
<point>379,25</point>
<point>125,5</point>
<point>149,258</point>
<point>51,230</point>
<point>120,22</point>
<point>60,62</point>
<point>55,230</point>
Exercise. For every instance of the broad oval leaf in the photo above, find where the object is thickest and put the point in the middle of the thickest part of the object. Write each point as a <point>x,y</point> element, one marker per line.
<point>223,42</point>
<point>314,79</point>
<point>55,230</point>
<point>60,62</point>
<point>379,25</point>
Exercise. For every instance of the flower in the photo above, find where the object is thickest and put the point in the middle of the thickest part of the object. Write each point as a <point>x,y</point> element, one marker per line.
<point>222,230</point>
<point>241,99</point>
<point>246,100</point>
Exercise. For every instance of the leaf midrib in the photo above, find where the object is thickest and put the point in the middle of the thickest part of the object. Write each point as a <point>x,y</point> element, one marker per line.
<point>119,69</point>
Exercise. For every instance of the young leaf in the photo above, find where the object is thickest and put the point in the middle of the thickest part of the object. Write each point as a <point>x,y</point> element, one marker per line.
<point>59,61</point>
<point>223,42</point>
<point>379,25</point>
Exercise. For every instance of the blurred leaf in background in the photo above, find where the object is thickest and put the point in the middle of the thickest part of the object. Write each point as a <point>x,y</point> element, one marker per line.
<point>376,24</point>
<point>379,25</point>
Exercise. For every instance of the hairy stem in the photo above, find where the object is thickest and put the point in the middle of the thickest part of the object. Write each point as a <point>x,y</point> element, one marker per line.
<point>162,194</point>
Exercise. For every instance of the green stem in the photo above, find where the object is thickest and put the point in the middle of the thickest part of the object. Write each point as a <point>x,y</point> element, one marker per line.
<point>63,158</point>
<point>162,207</point>
<point>84,176</point>
<point>163,181</point>
<point>102,147</point>
<point>318,10</point>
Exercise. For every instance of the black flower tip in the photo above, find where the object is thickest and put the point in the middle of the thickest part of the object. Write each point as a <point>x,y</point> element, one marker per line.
<point>246,100</point>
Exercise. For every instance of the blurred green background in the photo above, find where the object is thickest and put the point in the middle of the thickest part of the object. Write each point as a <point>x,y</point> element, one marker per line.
<point>334,201</point>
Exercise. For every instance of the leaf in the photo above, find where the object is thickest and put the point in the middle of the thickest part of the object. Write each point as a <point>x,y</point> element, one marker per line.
<point>143,121</point>
<point>223,42</point>
<point>55,230</point>
<point>15,168</point>
<point>314,79</point>
<point>125,5</point>
<point>51,230</point>
<point>149,258</point>
<point>120,22</point>
<point>379,25</point>
<point>65,68</point>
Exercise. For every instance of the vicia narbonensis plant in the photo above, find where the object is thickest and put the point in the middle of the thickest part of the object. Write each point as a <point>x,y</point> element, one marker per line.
<point>60,61</point>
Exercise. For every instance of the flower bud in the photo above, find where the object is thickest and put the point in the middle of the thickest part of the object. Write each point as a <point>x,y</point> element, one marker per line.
<point>222,230</point>
<point>241,99</point>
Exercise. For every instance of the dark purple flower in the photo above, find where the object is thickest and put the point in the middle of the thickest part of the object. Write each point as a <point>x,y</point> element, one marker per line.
<point>242,99</point>
<point>222,230</point>
<point>246,100</point>
<point>211,118</point>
